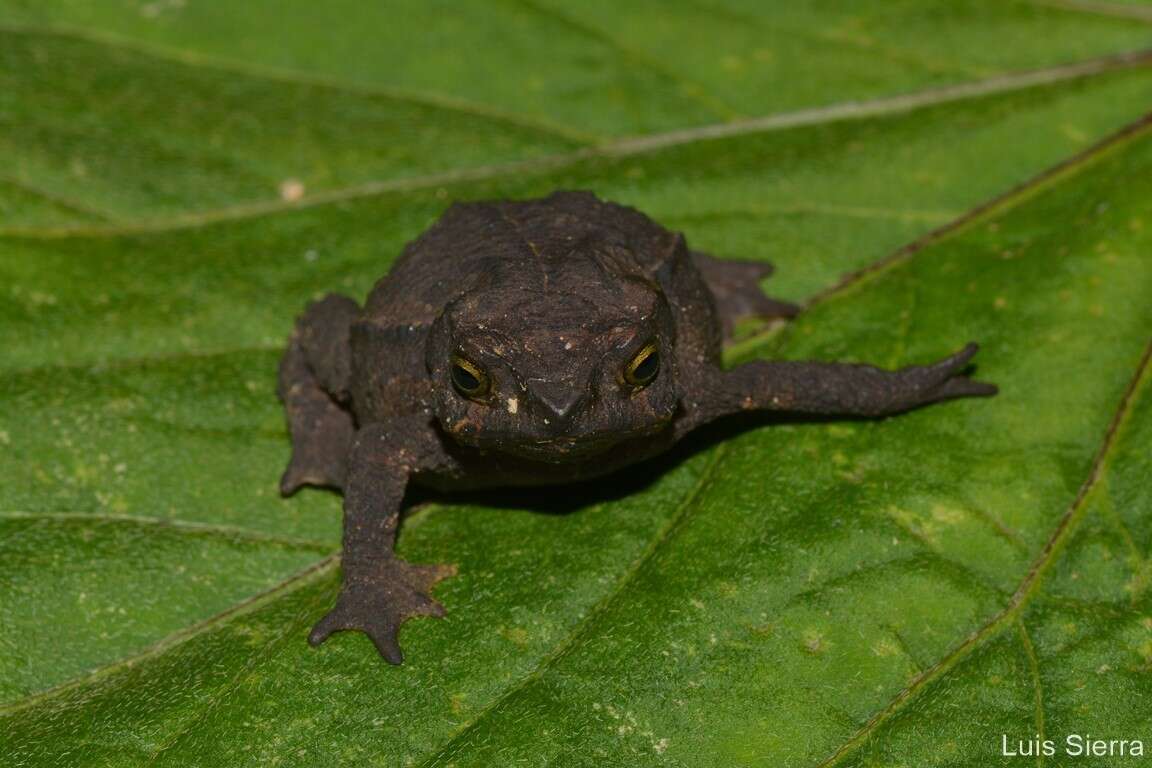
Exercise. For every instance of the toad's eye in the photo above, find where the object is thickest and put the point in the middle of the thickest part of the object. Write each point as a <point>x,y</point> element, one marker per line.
<point>643,368</point>
<point>469,379</point>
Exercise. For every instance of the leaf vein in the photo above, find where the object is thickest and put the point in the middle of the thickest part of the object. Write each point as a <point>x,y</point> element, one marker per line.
<point>1027,588</point>
<point>627,147</point>
<point>1101,8</point>
<point>584,627</point>
<point>1037,685</point>
<point>22,186</point>
<point>289,584</point>
<point>820,209</point>
<point>755,341</point>
<point>996,205</point>
<point>245,674</point>
<point>686,87</point>
<point>206,61</point>
<point>184,527</point>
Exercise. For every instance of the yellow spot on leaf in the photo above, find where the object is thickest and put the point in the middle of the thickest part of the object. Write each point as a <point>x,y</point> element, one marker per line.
<point>517,635</point>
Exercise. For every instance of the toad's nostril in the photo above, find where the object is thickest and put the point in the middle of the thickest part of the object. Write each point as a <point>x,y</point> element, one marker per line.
<point>559,400</point>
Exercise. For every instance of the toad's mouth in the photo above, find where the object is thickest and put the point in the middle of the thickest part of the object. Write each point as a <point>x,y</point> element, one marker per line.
<point>559,450</point>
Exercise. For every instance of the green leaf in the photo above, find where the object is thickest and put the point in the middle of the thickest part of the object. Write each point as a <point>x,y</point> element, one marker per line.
<point>184,177</point>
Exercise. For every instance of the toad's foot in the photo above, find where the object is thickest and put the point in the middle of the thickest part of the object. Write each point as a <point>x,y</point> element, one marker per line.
<point>318,455</point>
<point>945,380</point>
<point>377,601</point>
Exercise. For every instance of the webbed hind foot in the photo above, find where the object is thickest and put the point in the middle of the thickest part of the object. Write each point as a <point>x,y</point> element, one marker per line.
<point>735,287</point>
<point>312,381</point>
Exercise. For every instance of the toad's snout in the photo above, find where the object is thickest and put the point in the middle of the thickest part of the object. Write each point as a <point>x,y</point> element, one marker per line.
<point>558,401</point>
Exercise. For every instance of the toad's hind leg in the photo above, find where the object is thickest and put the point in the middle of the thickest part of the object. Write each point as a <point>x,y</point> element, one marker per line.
<point>735,286</point>
<point>313,385</point>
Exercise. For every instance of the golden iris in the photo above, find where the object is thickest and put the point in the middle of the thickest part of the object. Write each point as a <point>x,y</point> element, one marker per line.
<point>469,379</point>
<point>644,366</point>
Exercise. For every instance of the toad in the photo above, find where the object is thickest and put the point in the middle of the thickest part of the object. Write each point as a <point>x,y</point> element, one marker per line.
<point>534,342</point>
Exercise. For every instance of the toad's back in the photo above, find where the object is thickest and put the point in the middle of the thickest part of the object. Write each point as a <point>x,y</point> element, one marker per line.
<point>564,243</point>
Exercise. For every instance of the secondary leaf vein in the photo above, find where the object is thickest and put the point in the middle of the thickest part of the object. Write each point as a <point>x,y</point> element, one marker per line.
<point>1027,587</point>
<point>581,630</point>
<point>204,61</point>
<point>188,527</point>
<point>1037,685</point>
<point>627,147</point>
<point>291,583</point>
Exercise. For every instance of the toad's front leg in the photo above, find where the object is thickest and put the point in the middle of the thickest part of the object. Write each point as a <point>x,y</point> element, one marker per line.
<point>837,389</point>
<point>380,591</point>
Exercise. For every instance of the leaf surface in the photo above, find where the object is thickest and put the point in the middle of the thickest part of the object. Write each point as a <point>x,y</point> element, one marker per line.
<point>789,594</point>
